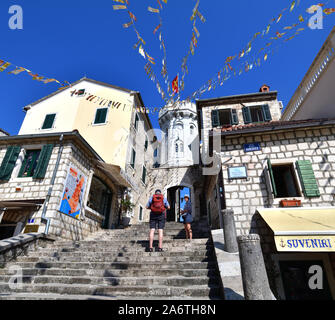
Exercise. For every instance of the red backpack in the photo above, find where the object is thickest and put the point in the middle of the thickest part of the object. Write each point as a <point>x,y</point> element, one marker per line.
<point>157,205</point>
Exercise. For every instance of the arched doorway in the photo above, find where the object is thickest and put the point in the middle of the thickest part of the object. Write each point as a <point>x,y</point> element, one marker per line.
<point>175,196</point>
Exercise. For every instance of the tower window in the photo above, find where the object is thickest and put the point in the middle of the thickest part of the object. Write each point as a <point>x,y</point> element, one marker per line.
<point>191,129</point>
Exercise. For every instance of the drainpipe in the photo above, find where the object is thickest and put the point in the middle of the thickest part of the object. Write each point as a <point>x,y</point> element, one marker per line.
<point>46,203</point>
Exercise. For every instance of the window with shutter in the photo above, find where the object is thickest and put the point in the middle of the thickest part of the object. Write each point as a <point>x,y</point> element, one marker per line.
<point>43,162</point>
<point>29,163</point>
<point>283,180</point>
<point>215,118</point>
<point>274,189</point>
<point>8,162</point>
<point>101,116</point>
<point>49,121</point>
<point>307,178</point>
<point>266,113</point>
<point>246,115</point>
<point>234,117</point>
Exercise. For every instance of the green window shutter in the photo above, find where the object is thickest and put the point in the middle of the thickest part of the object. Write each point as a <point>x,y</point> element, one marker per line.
<point>101,116</point>
<point>246,115</point>
<point>266,113</point>
<point>273,183</point>
<point>215,118</point>
<point>49,121</point>
<point>307,179</point>
<point>43,161</point>
<point>234,117</point>
<point>8,162</point>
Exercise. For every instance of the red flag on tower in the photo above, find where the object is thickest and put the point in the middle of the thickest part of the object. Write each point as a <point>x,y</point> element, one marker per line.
<point>175,84</point>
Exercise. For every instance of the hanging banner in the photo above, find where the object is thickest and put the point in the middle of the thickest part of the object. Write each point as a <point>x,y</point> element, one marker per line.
<point>73,193</point>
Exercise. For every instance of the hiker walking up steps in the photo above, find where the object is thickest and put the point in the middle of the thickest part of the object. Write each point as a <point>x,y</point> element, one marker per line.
<point>158,205</point>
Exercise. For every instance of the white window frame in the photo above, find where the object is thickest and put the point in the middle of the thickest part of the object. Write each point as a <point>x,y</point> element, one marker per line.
<point>275,201</point>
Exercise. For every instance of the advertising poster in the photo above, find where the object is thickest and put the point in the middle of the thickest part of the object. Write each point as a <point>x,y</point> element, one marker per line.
<point>73,193</point>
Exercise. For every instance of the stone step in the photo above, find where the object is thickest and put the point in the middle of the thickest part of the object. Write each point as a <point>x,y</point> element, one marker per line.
<point>133,249</point>
<point>115,242</point>
<point>145,236</point>
<point>116,258</point>
<point>55,296</point>
<point>146,230</point>
<point>109,290</point>
<point>179,272</point>
<point>116,265</point>
<point>176,281</point>
<point>119,253</point>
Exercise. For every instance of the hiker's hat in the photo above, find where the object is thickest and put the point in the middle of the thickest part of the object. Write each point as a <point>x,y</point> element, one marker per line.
<point>158,191</point>
<point>186,196</point>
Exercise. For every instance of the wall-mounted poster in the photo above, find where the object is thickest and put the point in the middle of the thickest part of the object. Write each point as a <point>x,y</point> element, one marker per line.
<point>73,193</point>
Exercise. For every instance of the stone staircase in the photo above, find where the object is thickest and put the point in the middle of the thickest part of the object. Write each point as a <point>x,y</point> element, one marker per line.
<point>113,265</point>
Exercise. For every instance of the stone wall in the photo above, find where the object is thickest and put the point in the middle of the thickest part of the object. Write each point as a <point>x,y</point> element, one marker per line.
<point>245,196</point>
<point>144,157</point>
<point>61,225</point>
<point>274,105</point>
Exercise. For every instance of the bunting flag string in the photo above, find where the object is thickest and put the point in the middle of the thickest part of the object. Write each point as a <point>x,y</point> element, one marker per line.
<point>4,65</point>
<point>193,43</point>
<point>228,71</point>
<point>140,44</point>
<point>164,70</point>
<point>245,60</point>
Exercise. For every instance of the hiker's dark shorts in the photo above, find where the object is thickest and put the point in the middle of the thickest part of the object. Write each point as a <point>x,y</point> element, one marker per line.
<point>157,221</point>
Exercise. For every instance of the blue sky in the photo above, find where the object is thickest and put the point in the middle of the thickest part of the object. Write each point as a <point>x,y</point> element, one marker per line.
<point>67,40</point>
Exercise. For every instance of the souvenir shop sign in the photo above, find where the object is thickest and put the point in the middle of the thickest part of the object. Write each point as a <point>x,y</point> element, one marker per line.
<point>311,243</point>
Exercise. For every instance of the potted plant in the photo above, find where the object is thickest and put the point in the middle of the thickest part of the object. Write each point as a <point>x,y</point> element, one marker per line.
<point>126,208</point>
<point>290,203</point>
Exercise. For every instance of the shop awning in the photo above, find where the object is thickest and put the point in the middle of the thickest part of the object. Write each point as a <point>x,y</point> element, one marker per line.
<point>115,173</point>
<point>302,229</point>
